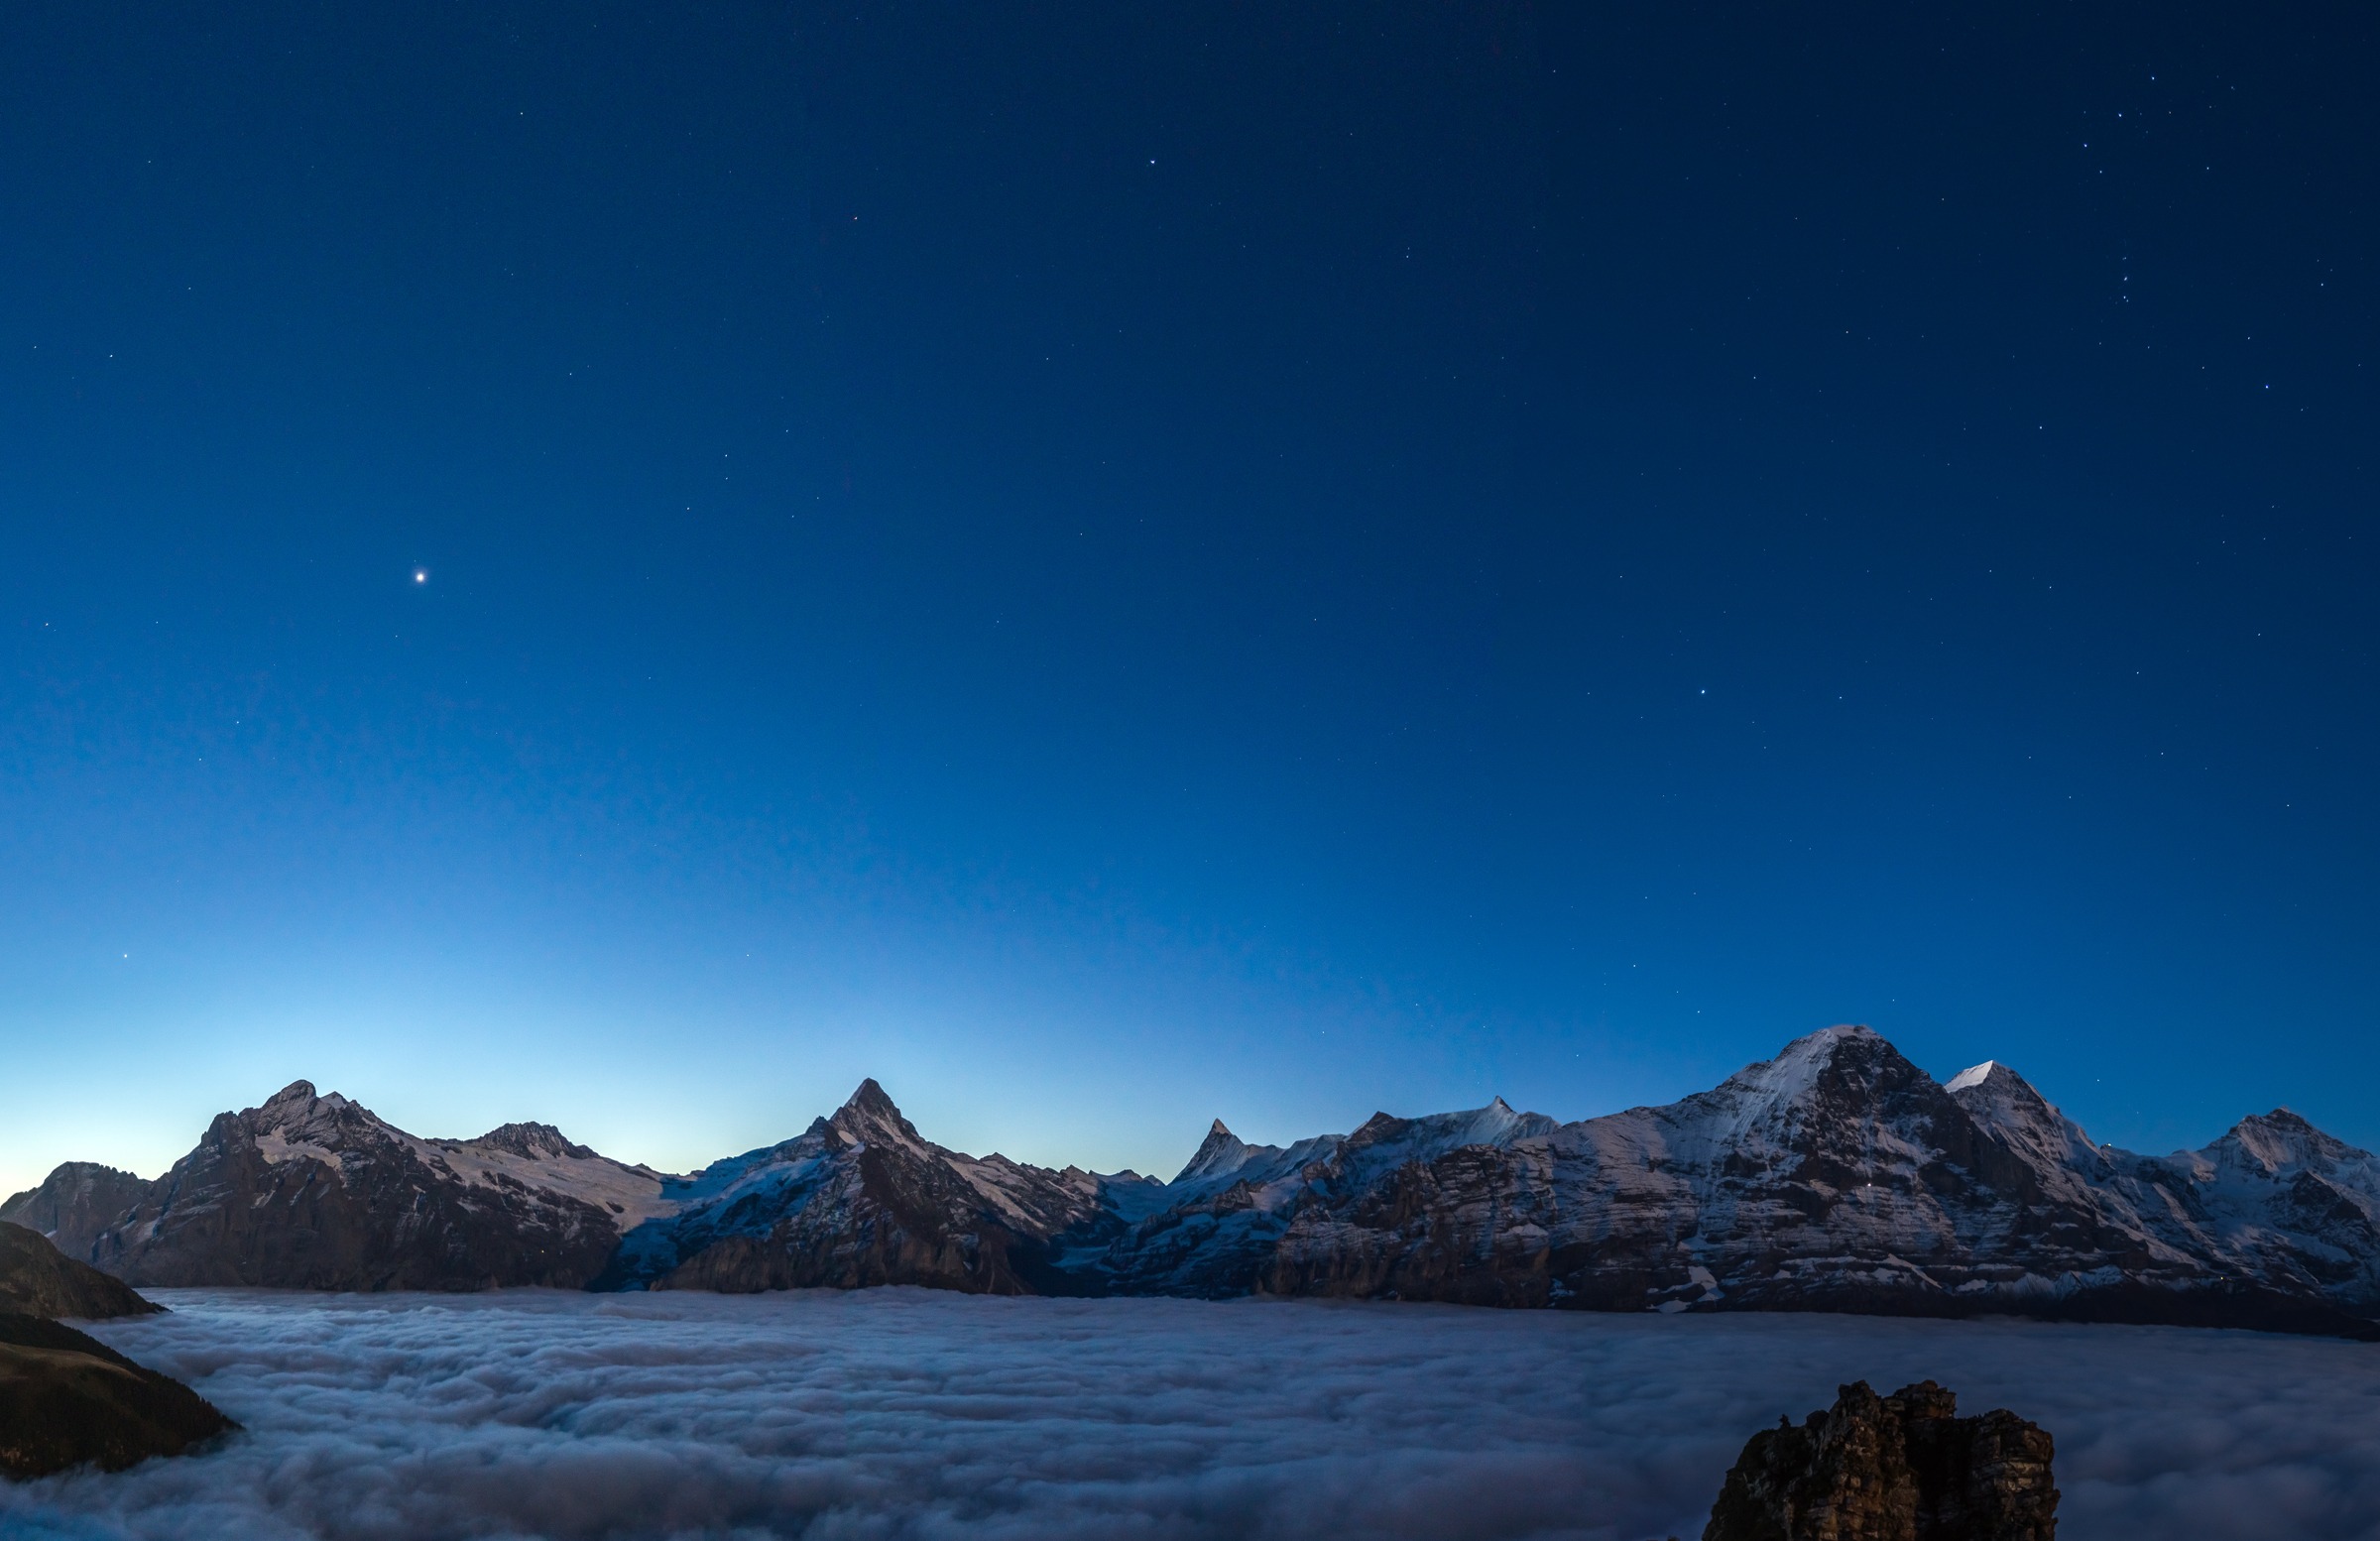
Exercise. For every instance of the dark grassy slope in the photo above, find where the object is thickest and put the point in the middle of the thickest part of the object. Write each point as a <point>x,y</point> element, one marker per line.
<point>68,1400</point>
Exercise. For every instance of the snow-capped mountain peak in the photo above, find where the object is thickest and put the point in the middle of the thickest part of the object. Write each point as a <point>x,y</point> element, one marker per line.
<point>870,1118</point>
<point>1220,1153</point>
<point>532,1142</point>
<point>2005,1106</point>
<point>1973,1075</point>
<point>1428,1135</point>
<point>1800,1067</point>
<point>2279,1144</point>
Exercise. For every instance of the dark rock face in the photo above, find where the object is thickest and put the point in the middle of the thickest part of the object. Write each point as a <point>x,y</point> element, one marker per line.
<point>1898,1467</point>
<point>859,1199</point>
<point>74,1204</point>
<point>37,1279</point>
<point>69,1400</point>
<point>312,1192</point>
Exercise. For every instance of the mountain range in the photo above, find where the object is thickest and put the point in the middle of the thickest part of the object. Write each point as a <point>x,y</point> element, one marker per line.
<point>1836,1176</point>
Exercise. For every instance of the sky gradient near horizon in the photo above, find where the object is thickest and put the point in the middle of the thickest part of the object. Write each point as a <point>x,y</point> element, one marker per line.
<point>1109,567</point>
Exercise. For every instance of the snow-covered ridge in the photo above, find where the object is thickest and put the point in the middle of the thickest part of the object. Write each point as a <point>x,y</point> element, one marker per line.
<point>297,1123</point>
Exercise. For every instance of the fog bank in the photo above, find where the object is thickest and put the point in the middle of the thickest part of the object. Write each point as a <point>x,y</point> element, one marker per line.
<point>907,1414</point>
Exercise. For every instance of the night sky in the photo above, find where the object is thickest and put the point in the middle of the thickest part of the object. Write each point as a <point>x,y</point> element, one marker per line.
<point>1108,565</point>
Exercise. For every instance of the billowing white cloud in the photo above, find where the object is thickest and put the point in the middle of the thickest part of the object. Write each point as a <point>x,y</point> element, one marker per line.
<point>905,1414</point>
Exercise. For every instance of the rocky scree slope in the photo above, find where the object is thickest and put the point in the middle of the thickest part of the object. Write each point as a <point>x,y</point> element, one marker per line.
<point>1836,1176</point>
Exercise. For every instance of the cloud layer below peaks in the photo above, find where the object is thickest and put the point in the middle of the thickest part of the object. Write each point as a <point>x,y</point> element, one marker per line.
<point>902,1413</point>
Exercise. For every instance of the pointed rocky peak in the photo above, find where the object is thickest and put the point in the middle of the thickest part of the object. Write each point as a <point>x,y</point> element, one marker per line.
<point>1221,1152</point>
<point>292,1106</point>
<point>1853,1061</point>
<point>1500,1123</point>
<point>2008,1107</point>
<point>1377,1130</point>
<point>533,1141</point>
<point>1996,1093</point>
<point>869,1117</point>
<point>1830,1041</point>
<point>296,1116</point>
<point>2280,1143</point>
<point>1842,1094</point>
<point>1855,1040</point>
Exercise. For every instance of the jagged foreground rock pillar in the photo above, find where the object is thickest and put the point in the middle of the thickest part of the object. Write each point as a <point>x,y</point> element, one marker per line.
<point>1898,1467</point>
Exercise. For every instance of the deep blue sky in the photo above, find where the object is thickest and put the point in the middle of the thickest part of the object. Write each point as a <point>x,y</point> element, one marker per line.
<point>1108,565</point>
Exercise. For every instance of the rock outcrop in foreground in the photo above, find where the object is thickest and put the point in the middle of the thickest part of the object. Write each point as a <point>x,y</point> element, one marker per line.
<point>68,1401</point>
<point>1898,1467</point>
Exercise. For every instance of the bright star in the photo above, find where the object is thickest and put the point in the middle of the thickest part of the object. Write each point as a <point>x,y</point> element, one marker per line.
<point>421,575</point>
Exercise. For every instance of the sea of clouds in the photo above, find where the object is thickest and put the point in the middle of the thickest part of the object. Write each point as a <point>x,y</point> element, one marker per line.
<point>903,1414</point>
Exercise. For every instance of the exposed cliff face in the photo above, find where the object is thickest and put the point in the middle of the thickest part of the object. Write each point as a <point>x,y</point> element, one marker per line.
<point>312,1192</point>
<point>69,1400</point>
<point>74,1204</point>
<point>1898,1467</point>
<point>859,1199</point>
<point>37,1279</point>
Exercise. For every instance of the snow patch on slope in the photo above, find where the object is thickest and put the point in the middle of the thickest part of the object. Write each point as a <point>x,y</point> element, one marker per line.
<point>296,1123</point>
<point>1973,1075</point>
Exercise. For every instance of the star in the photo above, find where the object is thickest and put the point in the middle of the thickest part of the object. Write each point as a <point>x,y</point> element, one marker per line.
<point>421,575</point>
